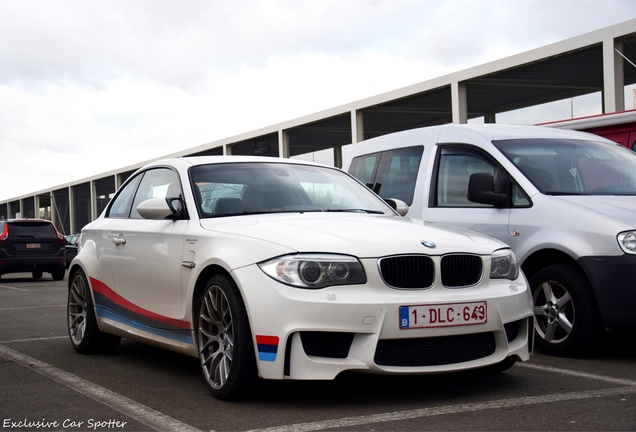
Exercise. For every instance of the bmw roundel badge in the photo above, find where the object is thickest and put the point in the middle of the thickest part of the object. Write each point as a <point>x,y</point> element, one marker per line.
<point>428,244</point>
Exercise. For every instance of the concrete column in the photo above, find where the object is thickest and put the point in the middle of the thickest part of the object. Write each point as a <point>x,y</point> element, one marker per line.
<point>459,103</point>
<point>357,126</point>
<point>71,211</point>
<point>93,202</point>
<point>613,76</point>
<point>490,117</point>
<point>227,150</point>
<point>337,156</point>
<point>283,143</point>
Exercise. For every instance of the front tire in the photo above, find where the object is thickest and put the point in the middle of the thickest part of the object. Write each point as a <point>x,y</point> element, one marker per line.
<point>567,318</point>
<point>85,335</point>
<point>226,352</point>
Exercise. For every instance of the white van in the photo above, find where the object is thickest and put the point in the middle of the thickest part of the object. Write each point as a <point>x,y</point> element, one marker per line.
<point>565,202</point>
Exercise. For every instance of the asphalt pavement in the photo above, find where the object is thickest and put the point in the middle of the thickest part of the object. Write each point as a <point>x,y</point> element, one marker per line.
<point>46,386</point>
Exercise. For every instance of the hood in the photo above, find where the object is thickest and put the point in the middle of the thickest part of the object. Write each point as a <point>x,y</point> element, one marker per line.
<point>364,236</point>
<point>613,209</point>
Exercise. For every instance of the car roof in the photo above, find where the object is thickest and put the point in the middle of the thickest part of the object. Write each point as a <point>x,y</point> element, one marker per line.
<point>498,131</point>
<point>26,220</point>
<point>476,134</point>
<point>189,161</point>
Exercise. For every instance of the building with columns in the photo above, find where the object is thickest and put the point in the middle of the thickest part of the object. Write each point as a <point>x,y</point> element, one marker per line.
<point>602,61</point>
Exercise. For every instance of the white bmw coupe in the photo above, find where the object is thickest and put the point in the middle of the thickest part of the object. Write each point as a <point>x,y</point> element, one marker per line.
<point>280,269</point>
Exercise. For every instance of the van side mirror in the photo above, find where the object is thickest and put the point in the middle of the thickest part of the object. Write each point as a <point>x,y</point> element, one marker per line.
<point>481,189</point>
<point>398,205</point>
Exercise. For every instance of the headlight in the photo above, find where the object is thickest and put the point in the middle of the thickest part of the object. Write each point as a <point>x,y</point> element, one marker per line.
<point>627,241</point>
<point>503,265</point>
<point>315,271</point>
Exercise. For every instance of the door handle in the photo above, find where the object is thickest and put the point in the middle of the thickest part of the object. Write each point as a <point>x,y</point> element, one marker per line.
<point>119,240</point>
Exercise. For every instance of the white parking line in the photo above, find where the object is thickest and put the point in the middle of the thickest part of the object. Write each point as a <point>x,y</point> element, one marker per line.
<point>13,288</point>
<point>31,307</point>
<point>33,339</point>
<point>605,378</point>
<point>449,409</point>
<point>141,413</point>
<point>479,406</point>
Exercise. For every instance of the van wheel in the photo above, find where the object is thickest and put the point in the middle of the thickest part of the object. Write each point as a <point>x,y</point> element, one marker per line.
<point>567,319</point>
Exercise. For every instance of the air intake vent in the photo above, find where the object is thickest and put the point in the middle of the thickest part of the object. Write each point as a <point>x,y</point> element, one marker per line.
<point>408,271</point>
<point>434,351</point>
<point>461,270</point>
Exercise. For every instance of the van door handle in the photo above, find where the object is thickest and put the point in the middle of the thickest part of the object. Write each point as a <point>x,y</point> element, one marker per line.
<point>119,240</point>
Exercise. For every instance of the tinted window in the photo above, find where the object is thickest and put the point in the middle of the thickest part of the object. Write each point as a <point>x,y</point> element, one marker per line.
<point>391,174</point>
<point>32,230</point>
<point>244,188</point>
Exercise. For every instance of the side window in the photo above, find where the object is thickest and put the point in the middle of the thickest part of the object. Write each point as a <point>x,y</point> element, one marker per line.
<point>159,182</point>
<point>391,174</point>
<point>456,165</point>
<point>120,207</point>
<point>363,168</point>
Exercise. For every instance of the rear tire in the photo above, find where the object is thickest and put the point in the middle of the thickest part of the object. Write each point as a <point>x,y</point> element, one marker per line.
<point>58,274</point>
<point>567,317</point>
<point>85,335</point>
<point>224,338</point>
<point>36,274</point>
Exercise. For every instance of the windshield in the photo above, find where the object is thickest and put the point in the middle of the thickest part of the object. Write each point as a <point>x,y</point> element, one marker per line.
<point>573,167</point>
<point>250,188</point>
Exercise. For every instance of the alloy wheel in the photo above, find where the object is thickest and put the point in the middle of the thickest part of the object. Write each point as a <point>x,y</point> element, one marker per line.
<point>554,312</point>
<point>216,337</point>
<point>77,306</point>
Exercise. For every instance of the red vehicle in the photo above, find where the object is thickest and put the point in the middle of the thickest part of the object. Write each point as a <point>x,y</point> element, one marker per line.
<point>619,126</point>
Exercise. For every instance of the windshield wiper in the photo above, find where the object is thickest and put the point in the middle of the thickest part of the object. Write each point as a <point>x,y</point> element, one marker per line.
<point>356,211</point>
<point>559,193</point>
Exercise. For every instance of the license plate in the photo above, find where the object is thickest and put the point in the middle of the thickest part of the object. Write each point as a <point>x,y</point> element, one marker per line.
<point>443,315</point>
<point>33,245</point>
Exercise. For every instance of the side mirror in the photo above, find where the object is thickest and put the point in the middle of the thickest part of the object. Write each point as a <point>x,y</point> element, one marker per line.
<point>398,205</point>
<point>481,189</point>
<point>161,208</point>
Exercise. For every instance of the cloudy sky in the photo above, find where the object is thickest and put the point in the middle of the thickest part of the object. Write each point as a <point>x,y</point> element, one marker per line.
<point>91,86</point>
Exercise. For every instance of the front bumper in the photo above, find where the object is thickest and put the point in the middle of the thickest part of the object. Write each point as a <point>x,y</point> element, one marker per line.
<point>614,281</point>
<point>317,334</point>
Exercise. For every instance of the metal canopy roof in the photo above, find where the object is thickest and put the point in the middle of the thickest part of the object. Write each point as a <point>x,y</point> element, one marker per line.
<point>600,61</point>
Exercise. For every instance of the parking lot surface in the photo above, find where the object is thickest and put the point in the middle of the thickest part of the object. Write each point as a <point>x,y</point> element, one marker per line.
<point>45,385</point>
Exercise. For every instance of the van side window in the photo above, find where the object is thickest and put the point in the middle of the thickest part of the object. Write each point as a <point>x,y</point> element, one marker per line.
<point>363,168</point>
<point>392,173</point>
<point>456,165</point>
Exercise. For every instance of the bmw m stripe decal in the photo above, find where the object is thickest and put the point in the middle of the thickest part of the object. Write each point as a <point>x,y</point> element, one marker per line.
<point>111,305</point>
<point>267,347</point>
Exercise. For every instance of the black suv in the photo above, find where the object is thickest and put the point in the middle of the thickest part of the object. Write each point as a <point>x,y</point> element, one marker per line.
<point>32,245</point>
